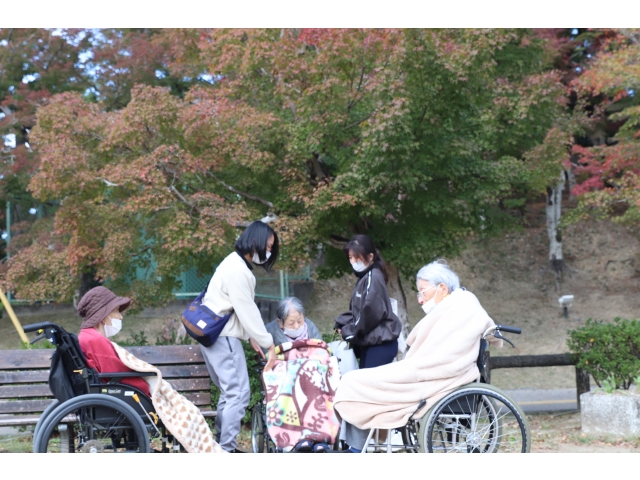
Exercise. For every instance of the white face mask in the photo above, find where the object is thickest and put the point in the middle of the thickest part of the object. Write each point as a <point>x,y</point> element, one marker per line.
<point>291,333</point>
<point>359,266</point>
<point>114,328</point>
<point>431,304</point>
<point>256,258</point>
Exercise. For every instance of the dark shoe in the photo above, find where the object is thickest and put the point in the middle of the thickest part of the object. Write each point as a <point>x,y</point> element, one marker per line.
<point>321,447</point>
<point>303,446</point>
<point>235,450</point>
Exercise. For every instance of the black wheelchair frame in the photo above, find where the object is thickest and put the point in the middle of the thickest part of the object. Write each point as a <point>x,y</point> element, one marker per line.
<point>100,416</point>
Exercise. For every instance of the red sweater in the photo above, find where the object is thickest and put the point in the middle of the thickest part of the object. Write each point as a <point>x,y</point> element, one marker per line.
<point>101,355</point>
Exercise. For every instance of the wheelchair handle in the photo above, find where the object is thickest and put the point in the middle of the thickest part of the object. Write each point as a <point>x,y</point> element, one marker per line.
<point>508,329</point>
<point>34,327</point>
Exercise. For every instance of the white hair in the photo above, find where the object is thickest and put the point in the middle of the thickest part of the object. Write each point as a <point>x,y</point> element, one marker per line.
<point>288,306</point>
<point>439,272</point>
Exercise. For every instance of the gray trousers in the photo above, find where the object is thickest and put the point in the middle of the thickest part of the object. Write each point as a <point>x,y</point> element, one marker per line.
<point>356,437</point>
<point>228,369</point>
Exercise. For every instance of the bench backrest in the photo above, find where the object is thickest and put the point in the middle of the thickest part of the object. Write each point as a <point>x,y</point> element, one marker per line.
<point>24,375</point>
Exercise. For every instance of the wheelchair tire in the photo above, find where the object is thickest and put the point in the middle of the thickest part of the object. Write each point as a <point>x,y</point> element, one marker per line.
<point>257,430</point>
<point>475,418</point>
<point>52,406</point>
<point>102,424</point>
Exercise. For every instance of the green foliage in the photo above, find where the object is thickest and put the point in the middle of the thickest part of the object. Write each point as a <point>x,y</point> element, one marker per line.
<point>610,352</point>
<point>43,344</point>
<point>137,340</point>
<point>609,384</point>
<point>329,337</point>
<point>186,340</point>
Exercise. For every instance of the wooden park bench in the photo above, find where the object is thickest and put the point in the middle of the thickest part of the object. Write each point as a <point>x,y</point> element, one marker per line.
<point>24,375</point>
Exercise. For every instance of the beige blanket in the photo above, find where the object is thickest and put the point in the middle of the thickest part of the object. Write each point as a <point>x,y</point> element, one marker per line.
<point>444,349</point>
<point>181,417</point>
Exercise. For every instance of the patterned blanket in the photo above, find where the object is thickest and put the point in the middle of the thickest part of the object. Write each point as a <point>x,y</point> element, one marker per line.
<point>300,391</point>
<point>181,417</point>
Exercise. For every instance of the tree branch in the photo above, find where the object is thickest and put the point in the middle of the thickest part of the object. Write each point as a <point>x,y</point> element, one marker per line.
<point>241,193</point>
<point>181,197</point>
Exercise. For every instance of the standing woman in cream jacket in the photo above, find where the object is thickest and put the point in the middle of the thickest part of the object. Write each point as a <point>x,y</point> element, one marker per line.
<point>232,287</point>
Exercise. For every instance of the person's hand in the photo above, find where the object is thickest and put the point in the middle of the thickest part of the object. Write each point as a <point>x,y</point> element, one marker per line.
<point>271,358</point>
<point>257,348</point>
<point>339,330</point>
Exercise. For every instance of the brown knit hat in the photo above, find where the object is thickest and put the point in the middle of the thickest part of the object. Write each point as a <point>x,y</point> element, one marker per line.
<point>97,303</point>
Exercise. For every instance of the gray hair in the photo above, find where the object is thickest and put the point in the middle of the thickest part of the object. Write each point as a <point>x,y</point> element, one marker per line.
<point>286,305</point>
<point>439,272</point>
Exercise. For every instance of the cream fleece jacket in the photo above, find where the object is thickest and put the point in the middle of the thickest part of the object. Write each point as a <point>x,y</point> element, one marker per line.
<point>233,287</point>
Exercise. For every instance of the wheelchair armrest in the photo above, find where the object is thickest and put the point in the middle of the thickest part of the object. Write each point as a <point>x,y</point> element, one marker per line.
<point>125,374</point>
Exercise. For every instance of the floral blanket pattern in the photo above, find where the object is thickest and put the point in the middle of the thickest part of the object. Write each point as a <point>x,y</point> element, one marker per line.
<point>300,391</point>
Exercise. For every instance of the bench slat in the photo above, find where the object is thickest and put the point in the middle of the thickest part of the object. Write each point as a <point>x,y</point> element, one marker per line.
<point>25,391</point>
<point>24,406</point>
<point>198,398</point>
<point>25,376</point>
<point>18,420</point>
<point>168,354</point>
<point>191,384</point>
<point>184,371</point>
<point>168,372</point>
<point>16,359</point>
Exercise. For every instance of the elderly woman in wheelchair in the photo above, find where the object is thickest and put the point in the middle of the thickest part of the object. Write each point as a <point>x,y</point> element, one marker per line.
<point>435,396</point>
<point>107,399</point>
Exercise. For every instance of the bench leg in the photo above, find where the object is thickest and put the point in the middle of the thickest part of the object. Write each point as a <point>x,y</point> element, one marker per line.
<point>63,430</point>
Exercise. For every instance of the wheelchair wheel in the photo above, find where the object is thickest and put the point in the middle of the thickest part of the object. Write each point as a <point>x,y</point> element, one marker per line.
<point>52,406</point>
<point>257,429</point>
<point>475,418</point>
<point>94,423</point>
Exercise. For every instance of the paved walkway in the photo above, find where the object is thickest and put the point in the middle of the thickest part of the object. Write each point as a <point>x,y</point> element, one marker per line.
<point>535,400</point>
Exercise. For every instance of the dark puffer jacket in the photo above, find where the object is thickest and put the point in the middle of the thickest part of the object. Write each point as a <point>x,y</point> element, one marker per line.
<point>370,320</point>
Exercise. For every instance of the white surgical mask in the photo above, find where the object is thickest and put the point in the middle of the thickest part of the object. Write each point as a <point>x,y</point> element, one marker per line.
<point>114,328</point>
<point>291,333</point>
<point>431,304</point>
<point>257,261</point>
<point>359,266</point>
<point>428,306</point>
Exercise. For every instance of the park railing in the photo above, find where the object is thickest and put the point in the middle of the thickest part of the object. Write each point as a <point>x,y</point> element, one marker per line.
<point>269,286</point>
<point>583,383</point>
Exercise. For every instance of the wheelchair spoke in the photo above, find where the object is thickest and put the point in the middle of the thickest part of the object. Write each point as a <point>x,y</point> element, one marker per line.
<point>476,420</point>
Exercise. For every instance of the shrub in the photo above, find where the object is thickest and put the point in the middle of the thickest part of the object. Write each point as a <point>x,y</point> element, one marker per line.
<point>610,352</point>
<point>137,340</point>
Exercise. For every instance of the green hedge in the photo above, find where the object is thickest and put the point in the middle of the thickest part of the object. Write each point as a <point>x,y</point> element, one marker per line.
<point>610,352</point>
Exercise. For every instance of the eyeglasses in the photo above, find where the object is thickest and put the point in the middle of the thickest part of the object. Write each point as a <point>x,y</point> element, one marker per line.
<point>422,292</point>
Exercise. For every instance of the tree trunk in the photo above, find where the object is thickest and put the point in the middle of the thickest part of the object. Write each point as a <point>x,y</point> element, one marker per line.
<point>396,291</point>
<point>87,282</point>
<point>553,211</point>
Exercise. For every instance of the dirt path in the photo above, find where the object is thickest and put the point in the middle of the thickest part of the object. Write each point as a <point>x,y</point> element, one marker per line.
<point>561,434</point>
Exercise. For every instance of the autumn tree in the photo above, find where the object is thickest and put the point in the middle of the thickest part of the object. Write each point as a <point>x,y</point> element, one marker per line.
<point>608,166</point>
<point>101,65</point>
<point>410,136</point>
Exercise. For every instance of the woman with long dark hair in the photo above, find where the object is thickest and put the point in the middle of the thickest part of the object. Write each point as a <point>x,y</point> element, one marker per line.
<point>232,287</point>
<point>370,326</point>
